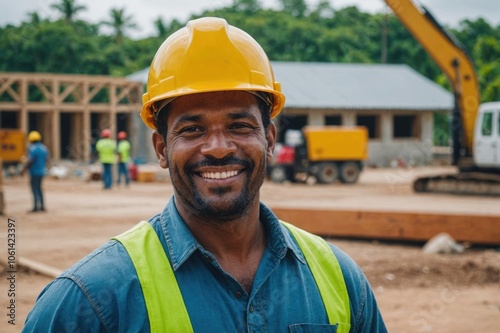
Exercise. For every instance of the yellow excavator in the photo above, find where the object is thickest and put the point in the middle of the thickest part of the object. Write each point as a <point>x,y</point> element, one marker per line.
<point>475,128</point>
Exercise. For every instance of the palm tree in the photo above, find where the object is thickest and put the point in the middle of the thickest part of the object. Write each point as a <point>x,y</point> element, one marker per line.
<point>120,22</point>
<point>34,18</point>
<point>68,9</point>
<point>160,27</point>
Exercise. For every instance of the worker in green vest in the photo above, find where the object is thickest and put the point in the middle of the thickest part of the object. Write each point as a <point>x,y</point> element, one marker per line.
<point>106,148</point>
<point>216,259</point>
<point>123,152</point>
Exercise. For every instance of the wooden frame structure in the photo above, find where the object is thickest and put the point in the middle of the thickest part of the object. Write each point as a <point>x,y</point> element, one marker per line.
<point>78,106</point>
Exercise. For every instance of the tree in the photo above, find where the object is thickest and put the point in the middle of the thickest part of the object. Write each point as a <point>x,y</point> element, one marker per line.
<point>470,31</point>
<point>296,8</point>
<point>249,6</point>
<point>34,18</point>
<point>68,9</point>
<point>323,10</point>
<point>119,23</point>
<point>160,27</point>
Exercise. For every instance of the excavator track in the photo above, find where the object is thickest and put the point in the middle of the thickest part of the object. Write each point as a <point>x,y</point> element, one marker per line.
<point>464,183</point>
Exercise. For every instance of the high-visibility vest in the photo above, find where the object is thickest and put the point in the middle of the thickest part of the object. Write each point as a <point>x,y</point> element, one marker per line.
<point>124,150</point>
<point>158,281</point>
<point>106,148</point>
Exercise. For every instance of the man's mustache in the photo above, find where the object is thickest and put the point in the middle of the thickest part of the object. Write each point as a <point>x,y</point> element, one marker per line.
<point>212,161</point>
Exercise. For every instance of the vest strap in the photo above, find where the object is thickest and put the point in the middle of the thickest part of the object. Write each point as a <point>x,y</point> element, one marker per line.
<point>327,273</point>
<point>163,298</point>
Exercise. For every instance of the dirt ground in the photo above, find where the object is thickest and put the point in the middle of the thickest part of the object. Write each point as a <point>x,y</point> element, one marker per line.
<point>416,292</point>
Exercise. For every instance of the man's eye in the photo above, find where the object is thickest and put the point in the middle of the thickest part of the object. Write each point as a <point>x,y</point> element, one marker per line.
<point>241,126</point>
<point>189,129</point>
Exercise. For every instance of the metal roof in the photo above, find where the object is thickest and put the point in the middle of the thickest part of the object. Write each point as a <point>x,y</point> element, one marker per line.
<point>314,85</point>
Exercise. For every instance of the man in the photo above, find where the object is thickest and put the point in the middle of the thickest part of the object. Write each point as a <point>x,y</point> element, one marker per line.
<point>216,259</point>
<point>106,148</point>
<point>123,157</point>
<point>38,158</point>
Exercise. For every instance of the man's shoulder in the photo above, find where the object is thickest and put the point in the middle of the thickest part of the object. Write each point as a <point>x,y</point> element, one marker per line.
<point>111,258</point>
<point>38,149</point>
<point>350,268</point>
<point>93,292</point>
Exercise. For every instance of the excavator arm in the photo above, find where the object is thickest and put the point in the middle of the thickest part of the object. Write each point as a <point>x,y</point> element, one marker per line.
<point>455,63</point>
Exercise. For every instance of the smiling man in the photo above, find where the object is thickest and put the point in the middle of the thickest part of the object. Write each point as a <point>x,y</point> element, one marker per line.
<point>216,259</point>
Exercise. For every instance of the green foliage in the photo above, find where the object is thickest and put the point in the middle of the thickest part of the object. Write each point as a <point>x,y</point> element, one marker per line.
<point>294,33</point>
<point>68,9</point>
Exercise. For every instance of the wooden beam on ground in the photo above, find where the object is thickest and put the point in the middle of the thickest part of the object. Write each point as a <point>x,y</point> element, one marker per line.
<point>405,226</point>
<point>39,267</point>
<point>35,266</point>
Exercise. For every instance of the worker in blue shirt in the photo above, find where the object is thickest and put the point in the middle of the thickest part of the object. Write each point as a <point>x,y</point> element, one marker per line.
<point>216,259</point>
<point>38,158</point>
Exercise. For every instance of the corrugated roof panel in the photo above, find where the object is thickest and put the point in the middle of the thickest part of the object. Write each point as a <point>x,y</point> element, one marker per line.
<point>358,86</point>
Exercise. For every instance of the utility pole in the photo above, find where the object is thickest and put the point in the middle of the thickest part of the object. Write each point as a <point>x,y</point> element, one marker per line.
<point>385,32</point>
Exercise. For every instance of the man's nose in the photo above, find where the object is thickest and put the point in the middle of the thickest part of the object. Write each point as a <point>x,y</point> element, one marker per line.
<point>218,145</point>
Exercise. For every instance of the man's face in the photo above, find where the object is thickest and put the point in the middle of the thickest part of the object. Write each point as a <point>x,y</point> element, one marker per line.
<point>217,150</point>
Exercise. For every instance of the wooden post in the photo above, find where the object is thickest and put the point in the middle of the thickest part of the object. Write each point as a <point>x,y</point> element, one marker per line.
<point>86,135</point>
<point>23,112</point>
<point>55,122</point>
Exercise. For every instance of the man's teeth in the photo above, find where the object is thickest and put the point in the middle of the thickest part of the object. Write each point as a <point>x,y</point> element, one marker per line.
<point>219,175</point>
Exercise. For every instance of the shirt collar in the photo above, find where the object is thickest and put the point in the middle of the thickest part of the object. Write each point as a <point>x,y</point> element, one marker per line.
<point>181,243</point>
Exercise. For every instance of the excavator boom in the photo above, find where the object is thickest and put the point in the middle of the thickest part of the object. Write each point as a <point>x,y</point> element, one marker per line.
<point>451,58</point>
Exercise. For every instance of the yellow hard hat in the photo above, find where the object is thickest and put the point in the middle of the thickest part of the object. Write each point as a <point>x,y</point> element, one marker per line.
<point>34,136</point>
<point>208,55</point>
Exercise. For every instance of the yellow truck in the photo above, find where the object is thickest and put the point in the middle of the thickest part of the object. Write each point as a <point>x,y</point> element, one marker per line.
<point>326,153</point>
<point>12,146</point>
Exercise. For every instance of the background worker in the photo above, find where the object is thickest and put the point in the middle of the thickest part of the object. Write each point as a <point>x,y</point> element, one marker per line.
<point>123,151</point>
<point>215,259</point>
<point>106,148</point>
<point>38,159</point>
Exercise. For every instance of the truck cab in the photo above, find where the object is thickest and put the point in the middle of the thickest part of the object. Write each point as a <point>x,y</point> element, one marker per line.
<point>487,136</point>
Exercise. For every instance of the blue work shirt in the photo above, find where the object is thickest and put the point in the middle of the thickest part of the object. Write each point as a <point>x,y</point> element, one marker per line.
<point>38,155</point>
<point>101,293</point>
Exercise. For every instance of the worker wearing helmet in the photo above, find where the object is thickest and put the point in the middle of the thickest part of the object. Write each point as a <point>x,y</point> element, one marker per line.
<point>106,148</point>
<point>215,259</point>
<point>123,151</point>
<point>38,158</point>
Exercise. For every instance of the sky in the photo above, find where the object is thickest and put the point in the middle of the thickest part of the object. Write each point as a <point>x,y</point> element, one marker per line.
<point>145,12</point>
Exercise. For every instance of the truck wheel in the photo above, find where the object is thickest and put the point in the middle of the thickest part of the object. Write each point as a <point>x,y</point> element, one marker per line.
<point>327,173</point>
<point>349,172</point>
<point>278,174</point>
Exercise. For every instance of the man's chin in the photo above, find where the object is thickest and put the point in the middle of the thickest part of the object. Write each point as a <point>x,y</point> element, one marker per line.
<point>223,210</point>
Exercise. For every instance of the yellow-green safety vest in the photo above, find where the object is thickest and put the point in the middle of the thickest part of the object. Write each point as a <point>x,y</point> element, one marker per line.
<point>124,150</point>
<point>158,281</point>
<point>106,148</point>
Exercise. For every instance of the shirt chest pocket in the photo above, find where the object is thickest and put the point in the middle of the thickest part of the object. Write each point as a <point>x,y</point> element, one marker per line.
<point>317,328</point>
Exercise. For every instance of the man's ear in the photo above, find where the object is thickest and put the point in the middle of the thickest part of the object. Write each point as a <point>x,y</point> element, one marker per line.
<point>160,149</point>
<point>271,139</point>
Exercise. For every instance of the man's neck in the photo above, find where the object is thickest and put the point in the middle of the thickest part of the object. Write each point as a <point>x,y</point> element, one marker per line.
<point>238,245</point>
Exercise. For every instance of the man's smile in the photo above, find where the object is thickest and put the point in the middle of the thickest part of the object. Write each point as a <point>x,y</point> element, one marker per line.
<point>220,175</point>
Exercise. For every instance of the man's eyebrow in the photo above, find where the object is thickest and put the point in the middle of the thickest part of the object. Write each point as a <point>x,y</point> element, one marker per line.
<point>187,118</point>
<point>242,115</point>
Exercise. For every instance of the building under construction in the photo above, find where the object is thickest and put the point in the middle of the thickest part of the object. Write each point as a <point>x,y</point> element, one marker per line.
<point>69,110</point>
